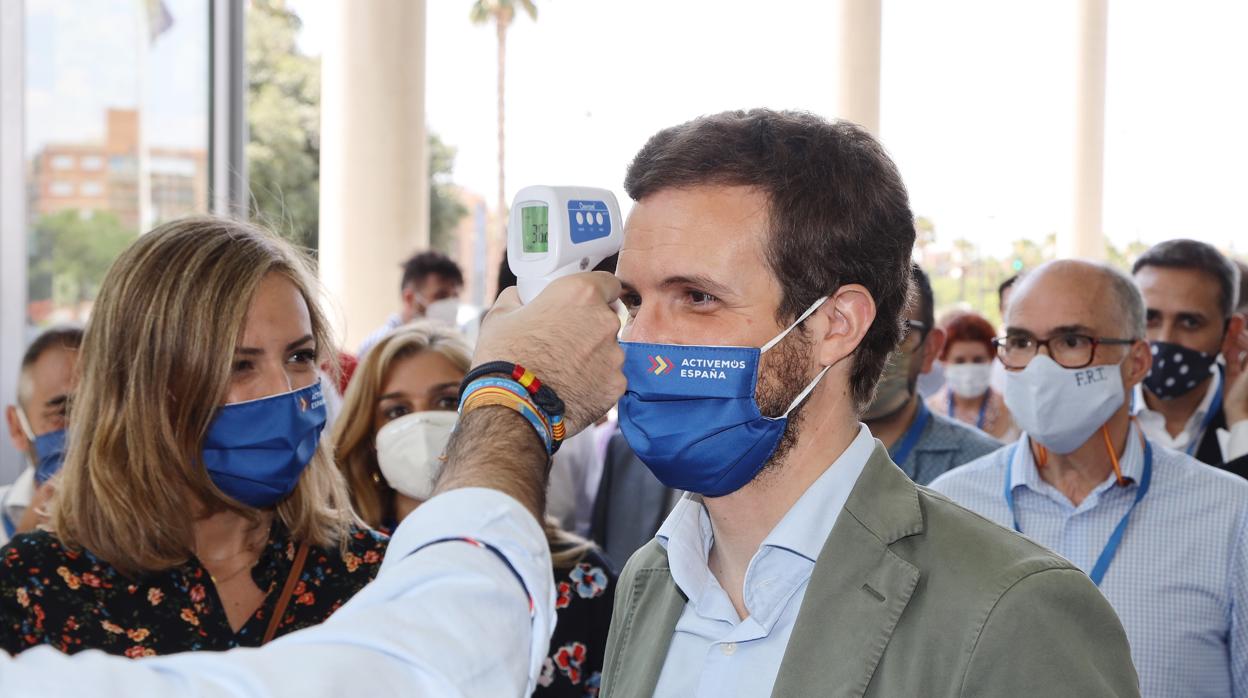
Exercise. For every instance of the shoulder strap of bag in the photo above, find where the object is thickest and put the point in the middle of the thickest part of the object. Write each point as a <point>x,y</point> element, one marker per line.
<point>284,600</point>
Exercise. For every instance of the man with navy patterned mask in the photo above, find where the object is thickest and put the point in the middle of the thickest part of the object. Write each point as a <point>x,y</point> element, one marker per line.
<point>1195,398</point>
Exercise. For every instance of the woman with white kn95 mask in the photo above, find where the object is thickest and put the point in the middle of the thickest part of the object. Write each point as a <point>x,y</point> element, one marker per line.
<point>397,418</point>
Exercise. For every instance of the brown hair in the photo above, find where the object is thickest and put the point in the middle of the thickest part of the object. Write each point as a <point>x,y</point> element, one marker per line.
<point>355,438</point>
<point>839,212</point>
<point>156,361</point>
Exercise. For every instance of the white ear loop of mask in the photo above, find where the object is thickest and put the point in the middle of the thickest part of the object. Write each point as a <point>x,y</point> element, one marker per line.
<point>780,337</point>
<point>25,424</point>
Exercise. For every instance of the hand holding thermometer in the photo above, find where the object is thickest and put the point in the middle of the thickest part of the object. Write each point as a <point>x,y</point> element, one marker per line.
<point>556,231</point>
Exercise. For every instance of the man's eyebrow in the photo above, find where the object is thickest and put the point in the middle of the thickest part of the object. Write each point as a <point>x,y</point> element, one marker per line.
<point>399,395</point>
<point>699,281</point>
<point>1064,329</point>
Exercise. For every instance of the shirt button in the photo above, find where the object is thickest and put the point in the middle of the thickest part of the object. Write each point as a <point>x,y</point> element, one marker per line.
<point>729,649</point>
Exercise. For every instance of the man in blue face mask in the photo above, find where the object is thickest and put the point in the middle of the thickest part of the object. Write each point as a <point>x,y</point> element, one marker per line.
<point>1191,400</point>
<point>1160,533</point>
<point>37,426</point>
<point>765,270</point>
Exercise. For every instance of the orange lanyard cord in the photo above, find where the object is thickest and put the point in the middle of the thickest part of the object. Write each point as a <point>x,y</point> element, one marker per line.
<point>1041,454</point>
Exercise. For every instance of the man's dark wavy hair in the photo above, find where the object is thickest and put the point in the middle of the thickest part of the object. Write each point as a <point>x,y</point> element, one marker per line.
<point>839,211</point>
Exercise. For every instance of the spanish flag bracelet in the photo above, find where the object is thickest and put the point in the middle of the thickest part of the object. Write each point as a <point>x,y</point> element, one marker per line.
<point>504,392</point>
<point>541,393</point>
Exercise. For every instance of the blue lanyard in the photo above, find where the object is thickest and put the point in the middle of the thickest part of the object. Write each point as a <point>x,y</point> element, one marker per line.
<point>983,409</point>
<point>1214,408</point>
<point>1115,538</point>
<point>903,448</point>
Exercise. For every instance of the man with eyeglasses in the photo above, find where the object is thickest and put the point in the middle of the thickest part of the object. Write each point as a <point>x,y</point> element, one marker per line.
<point>1195,397</point>
<point>1160,533</point>
<point>925,445</point>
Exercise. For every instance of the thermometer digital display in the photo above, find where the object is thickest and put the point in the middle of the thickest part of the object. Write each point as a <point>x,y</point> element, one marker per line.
<point>555,231</point>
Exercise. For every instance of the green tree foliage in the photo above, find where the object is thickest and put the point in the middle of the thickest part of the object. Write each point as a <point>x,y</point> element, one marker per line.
<point>70,252</point>
<point>445,209</point>
<point>283,115</point>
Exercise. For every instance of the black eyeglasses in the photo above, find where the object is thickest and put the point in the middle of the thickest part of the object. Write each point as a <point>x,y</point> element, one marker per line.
<point>916,332</point>
<point>1069,349</point>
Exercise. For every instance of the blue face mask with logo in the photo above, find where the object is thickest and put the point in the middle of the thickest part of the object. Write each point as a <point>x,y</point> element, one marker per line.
<point>255,451</point>
<point>691,416</point>
<point>49,449</point>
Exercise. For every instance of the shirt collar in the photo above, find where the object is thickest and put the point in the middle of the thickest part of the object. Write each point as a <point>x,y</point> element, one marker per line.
<point>687,534</point>
<point>1194,422</point>
<point>1024,473</point>
<point>807,525</point>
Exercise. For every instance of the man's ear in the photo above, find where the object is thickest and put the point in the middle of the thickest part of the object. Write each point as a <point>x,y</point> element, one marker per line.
<point>847,316</point>
<point>16,434</point>
<point>1232,342</point>
<point>934,344</point>
<point>1138,363</point>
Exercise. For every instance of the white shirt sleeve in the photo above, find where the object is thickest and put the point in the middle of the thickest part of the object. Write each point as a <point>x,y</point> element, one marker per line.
<point>440,619</point>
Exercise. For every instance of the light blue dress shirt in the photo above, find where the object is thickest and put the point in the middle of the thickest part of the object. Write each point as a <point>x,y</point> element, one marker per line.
<point>441,619</point>
<point>714,652</point>
<point>1179,582</point>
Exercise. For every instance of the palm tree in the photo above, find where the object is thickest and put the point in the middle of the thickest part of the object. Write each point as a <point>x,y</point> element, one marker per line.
<point>503,13</point>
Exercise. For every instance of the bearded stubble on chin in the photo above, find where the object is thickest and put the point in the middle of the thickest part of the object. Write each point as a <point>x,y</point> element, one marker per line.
<point>782,377</point>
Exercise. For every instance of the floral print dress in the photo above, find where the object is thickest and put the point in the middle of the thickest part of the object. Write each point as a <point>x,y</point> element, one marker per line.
<point>74,601</point>
<point>584,599</point>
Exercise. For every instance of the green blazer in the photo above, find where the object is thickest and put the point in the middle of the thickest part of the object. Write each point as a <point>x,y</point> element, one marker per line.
<point>912,595</point>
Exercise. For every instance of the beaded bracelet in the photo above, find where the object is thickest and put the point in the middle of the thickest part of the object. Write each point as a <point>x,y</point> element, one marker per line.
<point>510,394</point>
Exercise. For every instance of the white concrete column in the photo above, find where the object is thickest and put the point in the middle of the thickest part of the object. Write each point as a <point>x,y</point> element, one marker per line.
<point>374,157</point>
<point>858,98</point>
<point>1086,237</point>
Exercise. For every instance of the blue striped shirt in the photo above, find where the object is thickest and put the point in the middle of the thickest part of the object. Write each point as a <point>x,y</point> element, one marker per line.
<point>1180,579</point>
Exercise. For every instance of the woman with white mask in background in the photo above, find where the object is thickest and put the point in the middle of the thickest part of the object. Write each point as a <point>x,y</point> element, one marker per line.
<point>968,357</point>
<point>397,418</point>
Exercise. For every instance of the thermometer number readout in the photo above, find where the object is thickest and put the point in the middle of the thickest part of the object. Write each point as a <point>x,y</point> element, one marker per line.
<point>535,225</point>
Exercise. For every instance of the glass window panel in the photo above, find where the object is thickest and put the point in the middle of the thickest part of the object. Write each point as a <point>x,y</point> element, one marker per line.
<point>117,123</point>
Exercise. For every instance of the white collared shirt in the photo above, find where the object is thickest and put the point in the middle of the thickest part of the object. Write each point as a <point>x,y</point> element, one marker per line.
<point>440,619</point>
<point>713,651</point>
<point>1154,423</point>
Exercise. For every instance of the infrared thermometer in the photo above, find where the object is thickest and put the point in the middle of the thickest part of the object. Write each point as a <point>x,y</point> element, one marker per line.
<point>556,231</point>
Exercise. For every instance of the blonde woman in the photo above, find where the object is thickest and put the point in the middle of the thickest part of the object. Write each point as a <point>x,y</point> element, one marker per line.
<point>396,419</point>
<point>198,507</point>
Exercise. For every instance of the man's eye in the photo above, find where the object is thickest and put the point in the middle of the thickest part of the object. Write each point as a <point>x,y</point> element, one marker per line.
<point>631,302</point>
<point>1018,342</point>
<point>701,298</point>
<point>1190,323</point>
<point>447,403</point>
<point>243,366</point>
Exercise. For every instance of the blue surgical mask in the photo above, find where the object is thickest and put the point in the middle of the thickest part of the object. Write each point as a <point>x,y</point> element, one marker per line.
<point>49,449</point>
<point>691,416</point>
<point>255,451</point>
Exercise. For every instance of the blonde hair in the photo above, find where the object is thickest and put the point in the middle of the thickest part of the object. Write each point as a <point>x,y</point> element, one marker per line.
<point>354,435</point>
<point>156,364</point>
<point>355,438</point>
